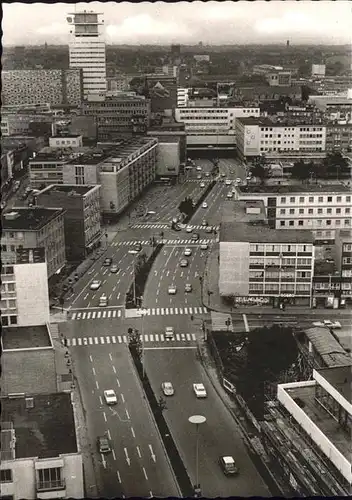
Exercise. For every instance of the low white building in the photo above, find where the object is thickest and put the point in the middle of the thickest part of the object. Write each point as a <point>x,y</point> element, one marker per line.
<point>70,141</point>
<point>182,97</point>
<point>318,69</point>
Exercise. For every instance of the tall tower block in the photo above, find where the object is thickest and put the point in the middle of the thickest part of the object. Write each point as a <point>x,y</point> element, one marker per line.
<point>87,50</point>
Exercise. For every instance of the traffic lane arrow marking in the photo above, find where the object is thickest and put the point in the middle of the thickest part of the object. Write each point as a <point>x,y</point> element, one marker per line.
<point>127,457</point>
<point>152,453</point>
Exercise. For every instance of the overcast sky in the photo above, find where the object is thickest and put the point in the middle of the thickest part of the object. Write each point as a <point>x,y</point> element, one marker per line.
<point>240,22</point>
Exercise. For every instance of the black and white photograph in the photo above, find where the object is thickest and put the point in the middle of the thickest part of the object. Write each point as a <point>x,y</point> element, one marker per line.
<point>176,249</point>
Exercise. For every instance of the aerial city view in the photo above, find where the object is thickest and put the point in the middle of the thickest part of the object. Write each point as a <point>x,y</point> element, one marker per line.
<point>176,250</point>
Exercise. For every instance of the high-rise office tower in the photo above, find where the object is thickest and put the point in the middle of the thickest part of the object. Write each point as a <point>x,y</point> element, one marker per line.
<point>87,50</point>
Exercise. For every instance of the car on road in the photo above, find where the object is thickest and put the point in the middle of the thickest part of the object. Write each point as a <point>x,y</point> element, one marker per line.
<point>95,285</point>
<point>189,229</point>
<point>103,301</point>
<point>229,194</point>
<point>172,290</point>
<point>328,323</point>
<point>209,229</point>
<point>169,332</point>
<point>187,252</point>
<point>110,397</point>
<point>207,174</point>
<point>223,175</point>
<point>188,287</point>
<point>107,262</point>
<point>204,204</point>
<point>228,182</point>
<point>184,263</point>
<point>167,388</point>
<point>228,465</point>
<point>199,390</point>
<point>238,181</point>
<point>199,176</point>
<point>103,444</point>
<point>204,222</point>
<point>202,184</point>
<point>195,236</point>
<point>114,268</point>
<point>204,246</point>
<point>199,168</point>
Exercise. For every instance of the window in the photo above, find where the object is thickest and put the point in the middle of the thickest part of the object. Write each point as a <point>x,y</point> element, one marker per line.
<point>301,210</point>
<point>310,211</point>
<point>282,211</point>
<point>328,210</point>
<point>347,210</point>
<point>329,199</point>
<point>338,210</point>
<point>282,223</point>
<point>320,199</point>
<point>13,320</point>
<point>283,199</point>
<point>347,222</point>
<point>300,222</point>
<point>328,222</point>
<point>348,199</point>
<point>6,476</point>
<point>3,248</point>
<point>338,199</point>
<point>292,211</point>
<point>292,199</point>
<point>291,223</point>
<point>311,199</point>
<point>301,199</point>
<point>50,478</point>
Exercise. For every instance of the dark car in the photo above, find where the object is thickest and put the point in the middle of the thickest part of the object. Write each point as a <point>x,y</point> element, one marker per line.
<point>195,236</point>
<point>107,262</point>
<point>228,465</point>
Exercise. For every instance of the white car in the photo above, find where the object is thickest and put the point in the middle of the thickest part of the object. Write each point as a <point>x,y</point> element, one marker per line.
<point>167,388</point>
<point>202,185</point>
<point>204,246</point>
<point>169,332</point>
<point>228,182</point>
<point>110,397</point>
<point>229,195</point>
<point>199,169</point>
<point>172,290</point>
<point>199,390</point>
<point>328,323</point>
<point>238,181</point>
<point>95,285</point>
<point>189,229</point>
<point>205,204</point>
<point>187,252</point>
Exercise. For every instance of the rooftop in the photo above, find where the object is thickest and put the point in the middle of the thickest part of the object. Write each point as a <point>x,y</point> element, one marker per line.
<point>258,233</point>
<point>73,189</point>
<point>305,395</point>
<point>59,154</point>
<point>294,188</point>
<point>328,347</point>
<point>243,211</point>
<point>25,337</point>
<point>340,377</point>
<point>28,219</point>
<point>45,431</point>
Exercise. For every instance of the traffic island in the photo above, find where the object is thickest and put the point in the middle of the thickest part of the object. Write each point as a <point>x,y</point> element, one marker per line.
<point>157,406</point>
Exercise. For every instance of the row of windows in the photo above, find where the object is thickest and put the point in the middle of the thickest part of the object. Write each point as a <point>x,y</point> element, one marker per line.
<point>261,261</point>
<point>311,211</point>
<point>283,288</point>
<point>319,222</point>
<point>311,199</point>
<point>280,275</point>
<point>8,320</point>
<point>8,304</point>
<point>279,248</point>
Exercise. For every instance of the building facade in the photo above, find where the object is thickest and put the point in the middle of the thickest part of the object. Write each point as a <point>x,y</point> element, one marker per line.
<point>318,69</point>
<point>87,50</point>
<point>182,97</point>
<point>343,257</point>
<point>212,126</point>
<point>81,219</point>
<point>255,136</point>
<point>66,141</point>
<point>43,467</point>
<point>261,266</point>
<point>24,288</point>
<point>35,228</point>
<point>32,86</point>
<point>319,209</point>
<point>279,78</point>
<point>339,137</point>
<point>114,115</point>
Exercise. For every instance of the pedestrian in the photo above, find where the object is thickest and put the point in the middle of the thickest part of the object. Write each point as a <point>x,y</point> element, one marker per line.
<point>192,317</point>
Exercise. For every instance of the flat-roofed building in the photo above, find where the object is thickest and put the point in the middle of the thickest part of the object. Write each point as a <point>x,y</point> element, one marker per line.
<point>36,227</point>
<point>321,209</point>
<point>39,452</point>
<point>24,288</point>
<point>66,141</point>
<point>81,218</point>
<point>259,264</point>
<point>322,410</point>
<point>343,258</point>
<point>339,136</point>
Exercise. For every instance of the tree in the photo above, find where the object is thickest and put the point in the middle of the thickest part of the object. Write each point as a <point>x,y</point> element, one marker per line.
<point>336,164</point>
<point>258,170</point>
<point>134,342</point>
<point>186,206</point>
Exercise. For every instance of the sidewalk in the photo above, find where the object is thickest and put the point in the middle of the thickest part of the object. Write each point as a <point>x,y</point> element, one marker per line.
<point>66,382</point>
<point>216,303</point>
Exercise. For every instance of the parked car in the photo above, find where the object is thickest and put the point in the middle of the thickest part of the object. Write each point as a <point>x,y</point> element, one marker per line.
<point>229,195</point>
<point>199,168</point>
<point>328,323</point>
<point>189,229</point>
<point>199,176</point>
<point>167,388</point>
<point>228,182</point>
<point>204,204</point>
<point>209,229</point>
<point>204,222</point>
<point>228,465</point>
<point>202,184</point>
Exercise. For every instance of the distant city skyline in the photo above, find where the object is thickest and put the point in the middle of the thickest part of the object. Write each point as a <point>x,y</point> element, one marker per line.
<point>324,22</point>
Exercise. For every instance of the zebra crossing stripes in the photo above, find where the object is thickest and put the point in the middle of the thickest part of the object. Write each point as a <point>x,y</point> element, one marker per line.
<point>122,339</point>
<point>170,311</point>
<point>96,314</point>
<point>165,242</point>
<point>165,226</point>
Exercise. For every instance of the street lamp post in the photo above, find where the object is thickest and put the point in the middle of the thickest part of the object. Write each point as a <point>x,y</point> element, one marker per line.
<point>197,420</point>
<point>134,252</point>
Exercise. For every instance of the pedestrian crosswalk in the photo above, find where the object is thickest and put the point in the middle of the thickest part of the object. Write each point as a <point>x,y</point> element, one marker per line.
<point>134,313</point>
<point>122,339</point>
<point>164,241</point>
<point>150,225</point>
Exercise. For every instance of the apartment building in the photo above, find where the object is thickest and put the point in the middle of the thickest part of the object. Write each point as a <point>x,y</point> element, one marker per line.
<point>321,209</point>
<point>32,86</point>
<point>46,167</point>
<point>343,258</point>
<point>34,462</point>
<point>278,78</point>
<point>182,97</point>
<point>258,265</point>
<point>318,69</point>
<point>87,51</point>
<point>81,218</point>
<point>25,123</point>
<point>321,409</point>
<point>339,137</point>
<point>114,115</point>
<point>212,126</point>
<point>335,107</point>
<point>162,92</point>
<point>123,170</point>
<point>35,227</point>
<point>255,136</point>
<point>24,288</point>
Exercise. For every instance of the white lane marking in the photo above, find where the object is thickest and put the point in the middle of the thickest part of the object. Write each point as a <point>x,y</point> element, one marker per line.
<point>113,453</point>
<point>93,369</point>
<point>96,340</point>
<point>108,340</point>
<point>178,336</point>
<point>114,369</point>
<point>113,338</point>
<point>110,356</point>
<point>96,384</point>
<point>188,337</point>
<point>127,414</point>
<point>145,474</point>
<point>193,336</point>
<point>118,382</point>
<point>139,452</point>
<point>156,337</point>
<point>118,476</point>
<point>108,433</point>
<point>123,398</point>
<point>90,358</point>
<point>152,453</point>
<point>105,417</point>
<point>124,338</point>
<point>102,340</point>
<point>133,434</point>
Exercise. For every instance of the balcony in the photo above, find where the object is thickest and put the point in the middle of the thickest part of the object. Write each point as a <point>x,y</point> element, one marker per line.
<point>53,485</point>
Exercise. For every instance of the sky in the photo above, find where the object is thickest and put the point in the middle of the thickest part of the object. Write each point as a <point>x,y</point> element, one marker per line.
<point>323,22</point>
